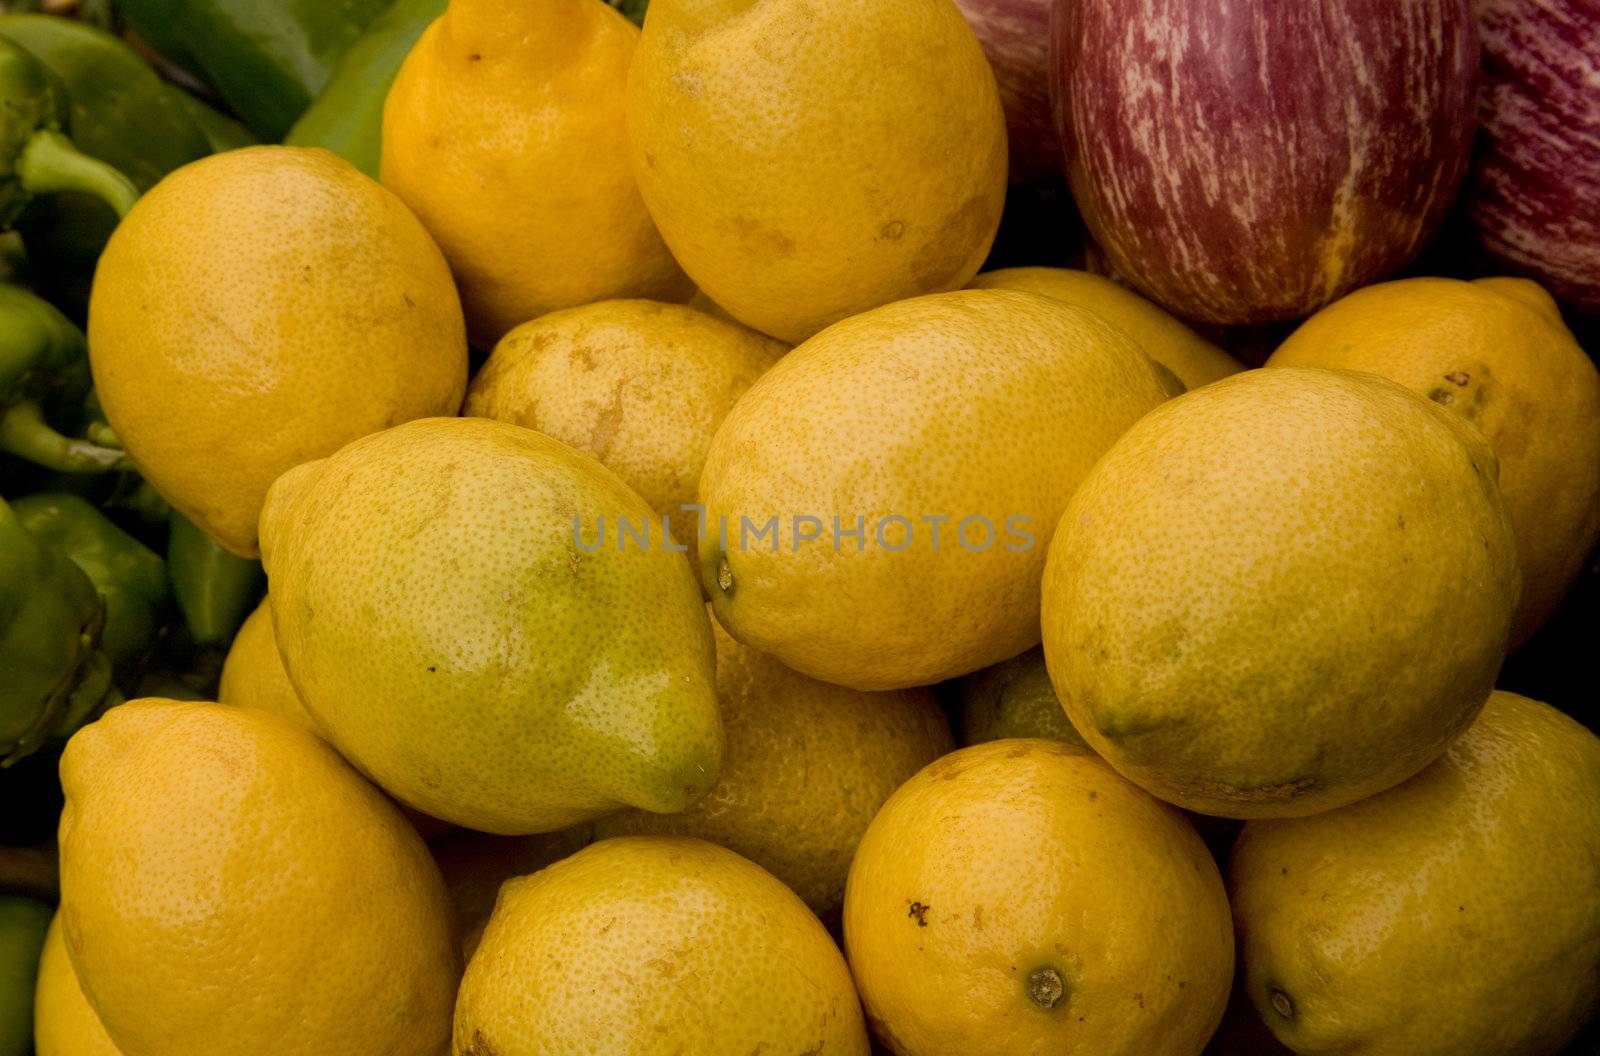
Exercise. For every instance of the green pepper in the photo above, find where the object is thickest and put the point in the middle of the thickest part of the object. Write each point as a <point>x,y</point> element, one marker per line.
<point>157,22</point>
<point>36,157</point>
<point>221,131</point>
<point>266,60</point>
<point>53,675</point>
<point>347,117</point>
<point>128,575</point>
<point>139,499</point>
<point>119,108</point>
<point>23,923</point>
<point>43,365</point>
<point>120,112</point>
<point>215,589</point>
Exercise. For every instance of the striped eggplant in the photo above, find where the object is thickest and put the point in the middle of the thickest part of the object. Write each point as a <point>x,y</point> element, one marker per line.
<point>1015,35</point>
<point>1245,161</point>
<point>1535,198</point>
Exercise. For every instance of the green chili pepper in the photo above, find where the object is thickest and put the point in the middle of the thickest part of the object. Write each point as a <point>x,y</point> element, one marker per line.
<point>36,157</point>
<point>215,589</point>
<point>347,117</point>
<point>53,675</point>
<point>128,575</point>
<point>267,61</point>
<point>43,364</point>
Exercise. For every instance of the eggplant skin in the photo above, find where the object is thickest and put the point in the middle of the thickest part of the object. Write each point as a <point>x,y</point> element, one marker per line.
<point>1535,198</point>
<point>1015,35</point>
<point>1250,161</point>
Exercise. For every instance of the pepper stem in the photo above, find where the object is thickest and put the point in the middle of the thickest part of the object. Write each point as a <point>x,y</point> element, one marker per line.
<point>25,433</point>
<point>50,163</point>
<point>102,434</point>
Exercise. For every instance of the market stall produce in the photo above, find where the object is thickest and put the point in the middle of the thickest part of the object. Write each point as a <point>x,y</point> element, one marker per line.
<point>799,527</point>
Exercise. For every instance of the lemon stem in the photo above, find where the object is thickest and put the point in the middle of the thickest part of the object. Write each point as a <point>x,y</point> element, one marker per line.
<point>1046,988</point>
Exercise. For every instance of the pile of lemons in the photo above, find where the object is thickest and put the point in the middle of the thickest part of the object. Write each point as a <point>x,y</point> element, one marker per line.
<point>602,704</point>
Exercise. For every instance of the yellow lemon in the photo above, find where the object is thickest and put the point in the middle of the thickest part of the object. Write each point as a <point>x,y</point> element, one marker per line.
<point>253,674</point>
<point>1163,337</point>
<point>1014,698</point>
<point>63,1022</point>
<point>259,308</point>
<point>808,765</point>
<point>504,131</point>
<point>640,385</point>
<point>1495,352</point>
<point>1020,897</point>
<point>652,944</point>
<point>1281,592</point>
<point>879,503</point>
<point>701,303</point>
<point>475,864</point>
<point>231,888</point>
<point>1457,914</point>
<point>447,607</point>
<point>799,173</point>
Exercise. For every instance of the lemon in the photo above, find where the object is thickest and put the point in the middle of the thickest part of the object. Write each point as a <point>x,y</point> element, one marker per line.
<point>253,677</point>
<point>452,616</point>
<point>1020,897</point>
<point>1166,340</point>
<point>701,303</point>
<point>475,864</point>
<point>253,674</point>
<point>802,176</point>
<point>259,308</point>
<point>505,131</point>
<point>640,385</point>
<point>808,765</point>
<point>1282,592</point>
<point>63,1022</point>
<point>230,886</point>
<point>653,944</point>
<point>1495,352</point>
<point>1458,913</point>
<point>1014,698</point>
<point>911,463</point>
